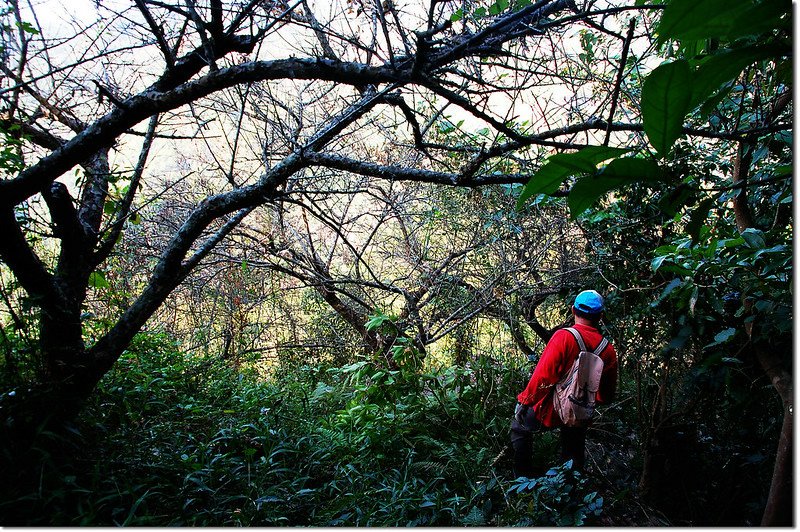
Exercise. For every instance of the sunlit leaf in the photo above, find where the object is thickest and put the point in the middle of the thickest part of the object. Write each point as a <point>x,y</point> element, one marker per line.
<point>725,335</point>
<point>666,96</point>
<point>562,165</point>
<point>98,280</point>
<point>656,263</point>
<point>616,174</point>
<point>586,159</point>
<point>27,27</point>
<point>545,181</point>
<point>377,320</point>
<point>675,283</point>
<point>498,7</point>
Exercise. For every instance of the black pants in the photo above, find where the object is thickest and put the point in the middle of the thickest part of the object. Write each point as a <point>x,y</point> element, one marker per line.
<point>525,425</point>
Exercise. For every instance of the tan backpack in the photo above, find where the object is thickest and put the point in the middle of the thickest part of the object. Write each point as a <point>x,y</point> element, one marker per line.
<point>575,394</point>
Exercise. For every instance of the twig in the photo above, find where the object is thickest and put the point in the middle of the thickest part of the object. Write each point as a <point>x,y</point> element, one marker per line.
<point>105,91</point>
<point>620,73</point>
<point>503,454</point>
<point>159,35</point>
<point>744,184</point>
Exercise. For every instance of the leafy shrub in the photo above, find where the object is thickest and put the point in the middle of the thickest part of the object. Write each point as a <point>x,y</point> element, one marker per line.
<point>172,439</point>
<point>560,498</point>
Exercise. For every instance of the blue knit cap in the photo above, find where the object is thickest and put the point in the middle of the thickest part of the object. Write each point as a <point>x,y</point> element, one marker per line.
<point>589,302</point>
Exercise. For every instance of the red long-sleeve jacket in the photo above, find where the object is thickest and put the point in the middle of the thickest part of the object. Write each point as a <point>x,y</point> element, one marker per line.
<point>557,357</point>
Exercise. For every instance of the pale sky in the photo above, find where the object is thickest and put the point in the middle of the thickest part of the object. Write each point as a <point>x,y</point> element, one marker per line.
<point>57,14</point>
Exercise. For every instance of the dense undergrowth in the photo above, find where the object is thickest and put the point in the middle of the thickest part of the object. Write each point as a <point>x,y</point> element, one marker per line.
<point>171,440</point>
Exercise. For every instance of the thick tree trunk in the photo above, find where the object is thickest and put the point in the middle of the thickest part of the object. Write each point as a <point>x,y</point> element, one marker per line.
<point>68,368</point>
<point>61,344</point>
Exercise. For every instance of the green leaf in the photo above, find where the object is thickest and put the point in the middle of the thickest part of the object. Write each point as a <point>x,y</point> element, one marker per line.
<point>697,19</point>
<point>760,18</point>
<point>98,280</point>
<point>710,104</point>
<point>587,190</point>
<point>521,4</point>
<point>378,320</point>
<point>562,165</point>
<point>616,174</point>
<point>586,159</point>
<point>688,20</point>
<point>675,283</point>
<point>498,7</point>
<point>545,181</point>
<point>458,15</point>
<point>671,203</point>
<point>572,162</point>
<point>754,238</point>
<point>633,169</point>
<point>730,242</point>
<point>680,339</point>
<point>773,249</point>
<point>723,68</point>
<point>666,96</point>
<point>27,27</point>
<point>475,517</point>
<point>698,219</point>
<point>657,262</point>
<point>724,336</point>
<point>787,137</point>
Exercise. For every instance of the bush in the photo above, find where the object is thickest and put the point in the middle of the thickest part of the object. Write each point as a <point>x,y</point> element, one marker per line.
<point>171,439</point>
<point>559,498</point>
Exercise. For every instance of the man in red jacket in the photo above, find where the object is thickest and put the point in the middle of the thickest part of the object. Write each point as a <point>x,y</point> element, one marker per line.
<point>535,411</point>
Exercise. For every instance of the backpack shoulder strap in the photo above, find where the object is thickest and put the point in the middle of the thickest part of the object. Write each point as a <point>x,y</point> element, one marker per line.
<point>578,337</point>
<point>582,345</point>
<point>601,347</point>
